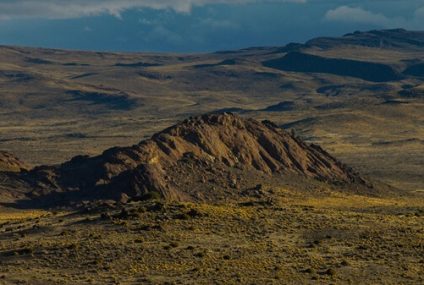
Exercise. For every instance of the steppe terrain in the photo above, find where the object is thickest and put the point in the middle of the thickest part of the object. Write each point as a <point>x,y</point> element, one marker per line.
<point>56,104</point>
<point>215,199</point>
<point>294,238</point>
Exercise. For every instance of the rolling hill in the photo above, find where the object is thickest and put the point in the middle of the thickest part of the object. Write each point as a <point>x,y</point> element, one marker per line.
<point>359,96</point>
<point>119,187</point>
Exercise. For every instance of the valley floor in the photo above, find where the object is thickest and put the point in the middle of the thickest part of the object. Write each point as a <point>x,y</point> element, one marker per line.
<point>289,237</point>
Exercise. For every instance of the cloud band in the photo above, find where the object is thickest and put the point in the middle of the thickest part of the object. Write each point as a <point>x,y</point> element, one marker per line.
<point>65,9</point>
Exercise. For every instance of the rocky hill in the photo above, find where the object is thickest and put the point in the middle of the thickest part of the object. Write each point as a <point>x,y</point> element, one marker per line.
<point>207,158</point>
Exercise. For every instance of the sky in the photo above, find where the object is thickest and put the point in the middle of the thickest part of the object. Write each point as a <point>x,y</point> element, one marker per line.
<point>194,25</point>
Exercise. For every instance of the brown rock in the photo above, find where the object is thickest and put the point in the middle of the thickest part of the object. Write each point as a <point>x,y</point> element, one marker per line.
<point>124,198</point>
<point>204,148</point>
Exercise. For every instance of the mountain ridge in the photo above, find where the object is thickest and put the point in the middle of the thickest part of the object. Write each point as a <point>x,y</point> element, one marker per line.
<point>85,102</point>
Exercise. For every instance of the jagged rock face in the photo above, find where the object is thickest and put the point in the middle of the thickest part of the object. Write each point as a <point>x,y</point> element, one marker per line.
<point>198,149</point>
<point>10,163</point>
<point>247,144</point>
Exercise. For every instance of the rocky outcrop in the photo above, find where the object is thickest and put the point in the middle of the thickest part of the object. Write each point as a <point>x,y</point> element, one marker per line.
<point>183,161</point>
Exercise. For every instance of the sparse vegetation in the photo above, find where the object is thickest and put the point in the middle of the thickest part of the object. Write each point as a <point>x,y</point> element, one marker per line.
<point>374,127</point>
<point>356,239</point>
<point>236,226</point>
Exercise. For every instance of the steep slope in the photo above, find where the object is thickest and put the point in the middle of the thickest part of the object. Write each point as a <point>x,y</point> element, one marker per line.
<point>202,158</point>
<point>10,163</point>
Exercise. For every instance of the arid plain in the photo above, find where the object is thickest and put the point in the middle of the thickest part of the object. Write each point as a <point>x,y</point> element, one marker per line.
<point>360,97</point>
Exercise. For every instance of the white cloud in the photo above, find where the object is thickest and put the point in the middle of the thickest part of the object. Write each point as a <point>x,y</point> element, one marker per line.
<point>419,14</point>
<point>66,9</point>
<point>358,15</point>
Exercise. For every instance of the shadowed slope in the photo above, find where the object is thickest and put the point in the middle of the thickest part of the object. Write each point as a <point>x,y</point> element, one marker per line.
<point>415,70</point>
<point>301,62</point>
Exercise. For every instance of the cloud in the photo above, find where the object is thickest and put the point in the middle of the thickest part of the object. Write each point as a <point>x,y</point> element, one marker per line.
<point>88,29</point>
<point>419,14</point>
<point>68,9</point>
<point>358,15</point>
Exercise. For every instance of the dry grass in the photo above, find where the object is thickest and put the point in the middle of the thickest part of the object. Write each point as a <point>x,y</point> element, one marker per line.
<point>42,124</point>
<point>7,214</point>
<point>294,239</point>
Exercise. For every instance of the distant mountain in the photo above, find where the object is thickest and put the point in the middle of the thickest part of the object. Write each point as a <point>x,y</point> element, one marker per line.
<point>395,38</point>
